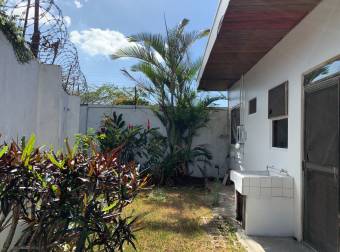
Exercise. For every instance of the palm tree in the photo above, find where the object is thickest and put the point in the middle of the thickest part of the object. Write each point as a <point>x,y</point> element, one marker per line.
<point>168,73</point>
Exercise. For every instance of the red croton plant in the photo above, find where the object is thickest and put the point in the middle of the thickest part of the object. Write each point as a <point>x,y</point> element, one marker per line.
<point>66,202</point>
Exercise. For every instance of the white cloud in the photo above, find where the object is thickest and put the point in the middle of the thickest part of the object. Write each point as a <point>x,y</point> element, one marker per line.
<point>78,4</point>
<point>99,42</point>
<point>67,21</point>
<point>102,42</point>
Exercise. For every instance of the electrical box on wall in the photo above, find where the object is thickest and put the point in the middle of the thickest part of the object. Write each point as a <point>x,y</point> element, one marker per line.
<point>241,134</point>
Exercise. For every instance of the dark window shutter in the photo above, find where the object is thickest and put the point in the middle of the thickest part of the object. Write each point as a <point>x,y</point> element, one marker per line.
<point>278,101</point>
<point>252,106</point>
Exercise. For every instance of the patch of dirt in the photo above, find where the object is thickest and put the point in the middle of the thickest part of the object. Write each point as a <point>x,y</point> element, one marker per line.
<point>222,226</point>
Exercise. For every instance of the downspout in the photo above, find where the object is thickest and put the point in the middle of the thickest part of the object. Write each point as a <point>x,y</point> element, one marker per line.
<point>242,101</point>
<point>242,122</point>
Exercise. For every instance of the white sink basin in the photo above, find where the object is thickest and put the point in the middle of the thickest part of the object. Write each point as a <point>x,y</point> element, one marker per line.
<point>263,184</point>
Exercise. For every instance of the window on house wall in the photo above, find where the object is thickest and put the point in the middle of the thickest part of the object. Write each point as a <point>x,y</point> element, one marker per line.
<point>278,113</point>
<point>280,133</point>
<point>235,122</point>
<point>252,106</point>
<point>328,70</point>
<point>278,101</point>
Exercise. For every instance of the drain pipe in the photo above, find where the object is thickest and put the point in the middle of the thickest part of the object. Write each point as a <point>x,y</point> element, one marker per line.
<point>242,121</point>
<point>242,101</point>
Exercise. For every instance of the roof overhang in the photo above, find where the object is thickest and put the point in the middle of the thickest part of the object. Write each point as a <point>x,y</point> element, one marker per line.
<point>242,33</point>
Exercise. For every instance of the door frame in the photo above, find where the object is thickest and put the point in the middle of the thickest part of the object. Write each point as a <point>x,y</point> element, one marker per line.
<point>303,140</point>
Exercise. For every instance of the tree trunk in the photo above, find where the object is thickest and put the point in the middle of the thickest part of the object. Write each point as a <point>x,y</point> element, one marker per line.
<point>26,18</point>
<point>36,33</point>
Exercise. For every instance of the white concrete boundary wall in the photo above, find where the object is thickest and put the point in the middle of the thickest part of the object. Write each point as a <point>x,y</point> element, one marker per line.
<point>33,101</point>
<point>214,135</point>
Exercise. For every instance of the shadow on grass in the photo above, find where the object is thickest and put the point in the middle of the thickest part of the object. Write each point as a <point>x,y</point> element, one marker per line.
<point>186,227</point>
<point>182,198</point>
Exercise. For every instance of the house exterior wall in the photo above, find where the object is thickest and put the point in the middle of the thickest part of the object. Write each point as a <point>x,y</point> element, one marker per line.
<point>315,40</point>
<point>214,135</point>
<point>33,101</point>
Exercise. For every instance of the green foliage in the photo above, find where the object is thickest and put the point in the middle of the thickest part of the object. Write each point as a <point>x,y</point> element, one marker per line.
<point>111,94</point>
<point>86,141</point>
<point>137,144</point>
<point>168,75</point>
<point>3,151</point>
<point>68,202</point>
<point>14,36</point>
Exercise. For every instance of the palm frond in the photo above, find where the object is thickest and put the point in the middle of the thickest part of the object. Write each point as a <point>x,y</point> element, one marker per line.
<point>156,41</point>
<point>139,52</point>
<point>208,101</point>
<point>182,25</point>
<point>203,33</point>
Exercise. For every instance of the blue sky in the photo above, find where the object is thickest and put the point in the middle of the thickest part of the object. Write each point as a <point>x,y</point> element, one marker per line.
<point>98,27</point>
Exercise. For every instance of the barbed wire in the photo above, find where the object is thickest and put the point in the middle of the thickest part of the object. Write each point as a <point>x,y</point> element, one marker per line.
<point>54,45</point>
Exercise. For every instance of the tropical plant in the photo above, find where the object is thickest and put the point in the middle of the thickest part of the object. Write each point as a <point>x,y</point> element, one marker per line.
<point>68,202</point>
<point>19,186</point>
<point>111,94</point>
<point>85,142</point>
<point>168,73</point>
<point>137,143</point>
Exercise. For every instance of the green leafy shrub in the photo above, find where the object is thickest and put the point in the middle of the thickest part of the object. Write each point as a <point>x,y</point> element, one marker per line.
<point>14,36</point>
<point>112,94</point>
<point>147,146</point>
<point>85,142</point>
<point>68,202</point>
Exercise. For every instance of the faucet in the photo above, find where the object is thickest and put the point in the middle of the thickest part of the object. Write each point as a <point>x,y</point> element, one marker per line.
<point>284,171</point>
<point>272,167</point>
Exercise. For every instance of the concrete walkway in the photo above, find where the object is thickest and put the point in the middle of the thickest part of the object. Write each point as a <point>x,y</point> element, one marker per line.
<point>252,243</point>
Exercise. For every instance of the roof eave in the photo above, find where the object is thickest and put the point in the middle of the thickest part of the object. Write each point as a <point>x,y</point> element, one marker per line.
<point>222,7</point>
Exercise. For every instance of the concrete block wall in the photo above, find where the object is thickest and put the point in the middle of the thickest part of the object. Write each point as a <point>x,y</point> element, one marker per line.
<point>215,135</point>
<point>33,101</point>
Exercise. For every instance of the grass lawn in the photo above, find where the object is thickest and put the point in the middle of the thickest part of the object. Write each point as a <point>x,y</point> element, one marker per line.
<point>173,221</point>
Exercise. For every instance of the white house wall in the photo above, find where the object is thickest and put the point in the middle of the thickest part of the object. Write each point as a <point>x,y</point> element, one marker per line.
<point>315,40</point>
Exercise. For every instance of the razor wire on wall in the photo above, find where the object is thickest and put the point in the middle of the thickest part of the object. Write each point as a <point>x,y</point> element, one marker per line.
<point>45,30</point>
